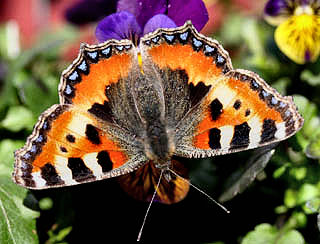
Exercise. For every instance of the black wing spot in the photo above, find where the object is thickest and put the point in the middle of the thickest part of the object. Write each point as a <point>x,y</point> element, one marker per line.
<point>198,92</point>
<point>214,138</point>
<point>50,175</point>
<point>268,130</point>
<point>92,134</point>
<point>216,109</point>
<point>70,138</point>
<point>102,111</point>
<point>240,137</point>
<point>80,172</point>
<point>247,113</point>
<point>237,104</point>
<point>104,161</point>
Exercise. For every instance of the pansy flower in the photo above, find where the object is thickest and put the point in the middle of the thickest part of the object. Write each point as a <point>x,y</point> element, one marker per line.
<point>134,19</point>
<point>298,31</point>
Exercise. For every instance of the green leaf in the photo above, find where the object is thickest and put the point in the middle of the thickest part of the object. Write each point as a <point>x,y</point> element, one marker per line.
<point>299,172</point>
<point>290,198</point>
<point>306,193</point>
<point>60,236</point>
<point>239,181</point>
<point>45,203</point>
<point>263,233</point>
<point>314,204</point>
<point>281,170</point>
<point>313,149</point>
<point>291,237</point>
<point>311,128</point>
<point>17,118</point>
<point>266,233</point>
<point>311,79</point>
<point>17,222</point>
<point>37,94</point>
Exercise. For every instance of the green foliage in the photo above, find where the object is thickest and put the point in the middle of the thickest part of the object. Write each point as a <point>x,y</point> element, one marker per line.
<point>17,222</point>
<point>266,233</point>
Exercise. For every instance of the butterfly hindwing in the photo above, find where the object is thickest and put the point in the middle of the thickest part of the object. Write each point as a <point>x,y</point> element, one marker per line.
<point>241,112</point>
<point>67,147</point>
<point>142,183</point>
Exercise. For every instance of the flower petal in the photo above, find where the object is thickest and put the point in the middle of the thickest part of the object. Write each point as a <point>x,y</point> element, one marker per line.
<point>121,25</point>
<point>143,9</point>
<point>182,10</point>
<point>277,11</point>
<point>158,21</point>
<point>299,38</point>
<point>86,11</point>
<point>275,7</point>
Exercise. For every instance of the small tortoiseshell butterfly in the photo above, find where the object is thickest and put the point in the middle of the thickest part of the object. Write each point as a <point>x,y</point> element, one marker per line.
<point>126,110</point>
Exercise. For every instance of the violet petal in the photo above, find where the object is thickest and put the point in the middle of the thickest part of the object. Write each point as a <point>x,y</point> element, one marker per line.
<point>307,56</point>
<point>276,7</point>
<point>143,9</point>
<point>86,11</point>
<point>158,21</point>
<point>121,25</point>
<point>182,10</point>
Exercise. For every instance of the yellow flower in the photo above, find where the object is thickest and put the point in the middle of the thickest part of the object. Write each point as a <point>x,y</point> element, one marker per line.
<point>298,31</point>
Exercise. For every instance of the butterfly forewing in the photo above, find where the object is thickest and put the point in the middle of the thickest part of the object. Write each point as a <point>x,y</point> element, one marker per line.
<point>80,140</point>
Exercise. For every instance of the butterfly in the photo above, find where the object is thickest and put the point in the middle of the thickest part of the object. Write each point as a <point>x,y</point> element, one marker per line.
<point>126,110</point>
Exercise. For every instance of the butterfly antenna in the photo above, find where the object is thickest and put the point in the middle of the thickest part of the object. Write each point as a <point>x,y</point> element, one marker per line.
<point>198,189</point>
<point>148,209</point>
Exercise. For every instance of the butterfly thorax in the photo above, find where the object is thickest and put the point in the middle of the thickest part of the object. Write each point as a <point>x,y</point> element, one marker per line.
<point>150,105</point>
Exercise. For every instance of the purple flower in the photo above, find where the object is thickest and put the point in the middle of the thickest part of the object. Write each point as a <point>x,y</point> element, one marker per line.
<point>298,31</point>
<point>276,7</point>
<point>85,11</point>
<point>134,18</point>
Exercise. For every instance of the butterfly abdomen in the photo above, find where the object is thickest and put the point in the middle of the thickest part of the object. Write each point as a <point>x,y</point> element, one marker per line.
<point>158,140</point>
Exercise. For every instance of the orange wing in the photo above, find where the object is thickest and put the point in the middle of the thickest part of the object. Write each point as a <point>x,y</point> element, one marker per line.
<point>67,147</point>
<point>79,140</point>
<point>186,63</point>
<point>241,112</point>
<point>85,81</point>
<point>213,108</point>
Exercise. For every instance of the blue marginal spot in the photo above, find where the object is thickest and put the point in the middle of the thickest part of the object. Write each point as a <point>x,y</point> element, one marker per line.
<point>196,42</point>
<point>169,37</point>
<point>74,76</point>
<point>274,101</point>
<point>184,36</point>
<point>33,149</point>
<point>264,93</point>
<point>92,55</point>
<point>120,48</point>
<point>83,66</point>
<point>39,139</point>
<point>220,59</point>
<point>106,51</point>
<point>155,39</point>
<point>68,90</point>
<point>282,104</point>
<point>208,49</point>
